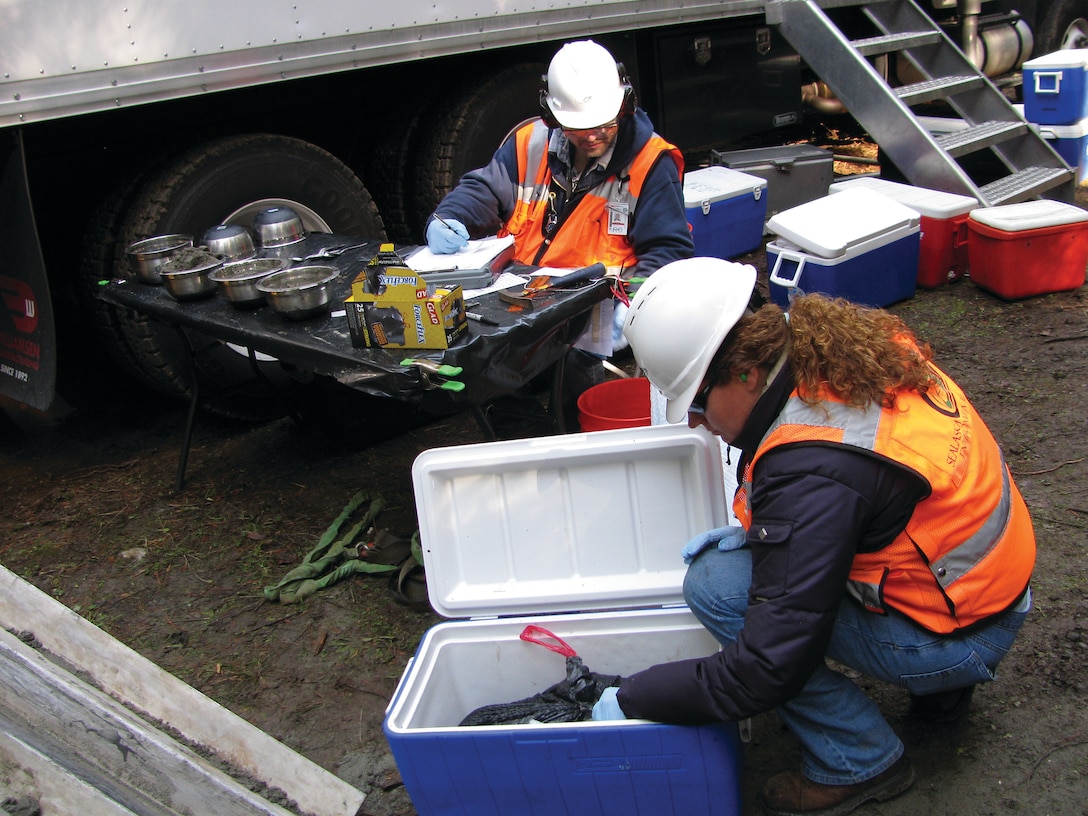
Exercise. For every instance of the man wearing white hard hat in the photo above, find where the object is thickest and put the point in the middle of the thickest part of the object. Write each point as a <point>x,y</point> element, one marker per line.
<point>588,182</point>
<point>880,528</point>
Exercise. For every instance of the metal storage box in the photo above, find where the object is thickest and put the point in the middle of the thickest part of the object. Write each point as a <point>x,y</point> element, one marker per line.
<point>942,253</point>
<point>1026,249</point>
<point>856,244</point>
<point>795,174</point>
<point>726,209</point>
<point>580,534</point>
<point>1056,87</point>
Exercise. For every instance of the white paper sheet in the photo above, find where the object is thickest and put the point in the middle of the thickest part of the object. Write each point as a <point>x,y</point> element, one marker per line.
<point>476,255</point>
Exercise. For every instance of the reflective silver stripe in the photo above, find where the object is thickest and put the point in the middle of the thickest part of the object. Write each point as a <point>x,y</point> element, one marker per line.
<point>535,153</point>
<point>858,425</point>
<point>969,553</point>
<point>868,595</point>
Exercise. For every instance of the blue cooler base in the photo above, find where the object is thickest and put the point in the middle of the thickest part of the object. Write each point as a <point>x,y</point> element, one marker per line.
<point>870,277</point>
<point>608,768</point>
<point>632,770</point>
<point>733,227</point>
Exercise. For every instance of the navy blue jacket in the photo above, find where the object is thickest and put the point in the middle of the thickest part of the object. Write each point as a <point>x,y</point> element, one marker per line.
<point>659,233</point>
<point>820,504</point>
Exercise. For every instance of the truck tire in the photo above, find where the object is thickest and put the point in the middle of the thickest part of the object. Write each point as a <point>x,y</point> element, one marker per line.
<point>1062,25</point>
<point>226,181</point>
<point>467,129</point>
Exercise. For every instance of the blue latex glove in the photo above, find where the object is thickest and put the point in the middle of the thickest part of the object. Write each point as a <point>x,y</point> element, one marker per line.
<point>727,538</point>
<point>619,313</point>
<point>446,238</point>
<point>607,707</point>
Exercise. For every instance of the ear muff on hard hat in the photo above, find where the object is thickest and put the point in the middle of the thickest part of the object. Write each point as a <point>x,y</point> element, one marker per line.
<point>584,87</point>
<point>678,320</point>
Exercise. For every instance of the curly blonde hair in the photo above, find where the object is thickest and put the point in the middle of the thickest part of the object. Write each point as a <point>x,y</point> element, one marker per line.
<point>836,348</point>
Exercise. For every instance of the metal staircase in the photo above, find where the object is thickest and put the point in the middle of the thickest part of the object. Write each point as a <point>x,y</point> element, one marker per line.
<point>1027,168</point>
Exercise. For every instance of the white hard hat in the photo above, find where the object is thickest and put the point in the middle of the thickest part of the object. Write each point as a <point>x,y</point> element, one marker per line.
<point>584,86</point>
<point>678,319</point>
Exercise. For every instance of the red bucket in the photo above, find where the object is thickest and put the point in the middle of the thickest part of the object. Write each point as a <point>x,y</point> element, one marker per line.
<point>615,404</point>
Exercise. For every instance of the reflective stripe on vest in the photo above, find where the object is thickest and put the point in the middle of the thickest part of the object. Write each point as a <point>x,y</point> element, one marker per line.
<point>968,549</point>
<point>584,238</point>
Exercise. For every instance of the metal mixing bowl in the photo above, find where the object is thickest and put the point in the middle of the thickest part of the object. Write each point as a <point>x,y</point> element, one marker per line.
<point>231,242</point>
<point>151,253</point>
<point>278,226</point>
<point>237,280</point>
<point>300,292</point>
<point>193,283</point>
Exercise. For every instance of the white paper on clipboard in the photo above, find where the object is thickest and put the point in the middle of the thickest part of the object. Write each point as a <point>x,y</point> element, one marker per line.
<point>476,255</point>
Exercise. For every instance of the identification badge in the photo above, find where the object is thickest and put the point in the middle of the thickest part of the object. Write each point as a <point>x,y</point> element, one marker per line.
<point>618,217</point>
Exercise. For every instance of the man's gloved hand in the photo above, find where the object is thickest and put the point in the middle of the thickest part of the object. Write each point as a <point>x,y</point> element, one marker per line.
<point>727,538</point>
<point>607,707</point>
<point>447,236</point>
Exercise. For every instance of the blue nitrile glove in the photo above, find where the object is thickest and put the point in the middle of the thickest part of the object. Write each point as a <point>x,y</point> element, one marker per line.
<point>619,313</point>
<point>446,238</point>
<point>727,538</point>
<point>607,707</point>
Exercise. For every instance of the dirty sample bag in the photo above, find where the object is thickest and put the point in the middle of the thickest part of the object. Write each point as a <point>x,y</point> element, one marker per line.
<point>569,700</point>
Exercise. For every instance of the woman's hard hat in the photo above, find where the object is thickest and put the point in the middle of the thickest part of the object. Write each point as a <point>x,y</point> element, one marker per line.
<point>678,319</point>
<point>585,88</point>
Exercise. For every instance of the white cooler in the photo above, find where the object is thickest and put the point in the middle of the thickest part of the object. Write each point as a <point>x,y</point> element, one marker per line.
<point>580,534</point>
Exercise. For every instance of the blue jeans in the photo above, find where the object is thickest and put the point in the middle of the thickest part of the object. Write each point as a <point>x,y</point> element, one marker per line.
<point>844,739</point>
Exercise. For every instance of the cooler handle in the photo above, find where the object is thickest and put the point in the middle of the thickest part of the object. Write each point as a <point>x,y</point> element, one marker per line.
<point>1054,75</point>
<point>789,256</point>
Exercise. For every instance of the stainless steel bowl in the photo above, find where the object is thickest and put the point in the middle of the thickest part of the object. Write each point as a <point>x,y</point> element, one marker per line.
<point>237,280</point>
<point>278,226</point>
<point>191,281</point>
<point>149,254</point>
<point>300,292</point>
<point>231,242</point>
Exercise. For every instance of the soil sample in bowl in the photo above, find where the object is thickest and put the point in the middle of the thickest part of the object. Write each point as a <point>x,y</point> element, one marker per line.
<point>189,258</point>
<point>185,275</point>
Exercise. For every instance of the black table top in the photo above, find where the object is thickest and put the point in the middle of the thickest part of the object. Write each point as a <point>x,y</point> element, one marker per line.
<point>496,360</point>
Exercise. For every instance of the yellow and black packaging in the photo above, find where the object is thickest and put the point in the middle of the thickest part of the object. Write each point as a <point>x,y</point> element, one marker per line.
<point>392,306</point>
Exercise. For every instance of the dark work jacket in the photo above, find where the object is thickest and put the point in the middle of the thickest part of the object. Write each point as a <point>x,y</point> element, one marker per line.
<point>820,504</point>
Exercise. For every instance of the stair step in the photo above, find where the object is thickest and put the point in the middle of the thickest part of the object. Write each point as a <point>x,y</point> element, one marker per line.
<point>1023,184</point>
<point>888,43</point>
<point>980,136</point>
<point>929,90</point>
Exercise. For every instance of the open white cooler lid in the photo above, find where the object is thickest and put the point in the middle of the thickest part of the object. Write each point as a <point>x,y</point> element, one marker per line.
<point>831,225</point>
<point>567,523</point>
<point>707,185</point>
<point>930,203</point>
<point>1029,215</point>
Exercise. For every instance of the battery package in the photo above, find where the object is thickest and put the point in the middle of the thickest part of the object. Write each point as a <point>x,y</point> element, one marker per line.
<point>581,535</point>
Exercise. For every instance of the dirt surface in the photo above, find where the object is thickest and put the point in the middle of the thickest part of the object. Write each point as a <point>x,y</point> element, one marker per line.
<point>92,518</point>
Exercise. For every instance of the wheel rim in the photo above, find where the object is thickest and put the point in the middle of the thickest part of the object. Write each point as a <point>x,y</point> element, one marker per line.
<point>310,219</point>
<point>1076,35</point>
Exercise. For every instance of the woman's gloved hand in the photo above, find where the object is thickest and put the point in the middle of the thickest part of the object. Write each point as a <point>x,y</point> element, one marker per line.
<point>607,707</point>
<point>447,236</point>
<point>619,313</point>
<point>727,538</point>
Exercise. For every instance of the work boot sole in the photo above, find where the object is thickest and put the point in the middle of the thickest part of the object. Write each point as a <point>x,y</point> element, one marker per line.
<point>888,789</point>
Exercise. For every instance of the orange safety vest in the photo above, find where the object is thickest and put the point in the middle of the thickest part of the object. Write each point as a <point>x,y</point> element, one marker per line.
<point>597,229</point>
<point>968,550</point>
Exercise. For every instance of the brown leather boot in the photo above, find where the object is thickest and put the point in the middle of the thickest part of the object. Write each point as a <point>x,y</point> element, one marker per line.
<point>791,794</point>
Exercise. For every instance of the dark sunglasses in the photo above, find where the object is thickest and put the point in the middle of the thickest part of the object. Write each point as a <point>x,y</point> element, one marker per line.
<point>698,402</point>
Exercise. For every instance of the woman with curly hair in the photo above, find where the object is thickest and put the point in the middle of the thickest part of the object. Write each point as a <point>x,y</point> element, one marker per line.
<point>881,529</point>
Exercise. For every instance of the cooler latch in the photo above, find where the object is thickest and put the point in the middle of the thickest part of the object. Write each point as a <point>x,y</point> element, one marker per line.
<point>706,206</point>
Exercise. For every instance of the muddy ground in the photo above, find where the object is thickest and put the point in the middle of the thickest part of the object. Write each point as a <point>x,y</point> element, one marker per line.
<point>91,517</point>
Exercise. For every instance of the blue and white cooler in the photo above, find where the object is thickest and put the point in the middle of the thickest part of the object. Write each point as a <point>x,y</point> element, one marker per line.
<point>580,535</point>
<point>726,209</point>
<point>856,244</point>
<point>1056,87</point>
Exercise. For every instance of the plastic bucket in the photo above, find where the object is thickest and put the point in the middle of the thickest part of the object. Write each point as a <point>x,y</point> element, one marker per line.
<point>615,404</point>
